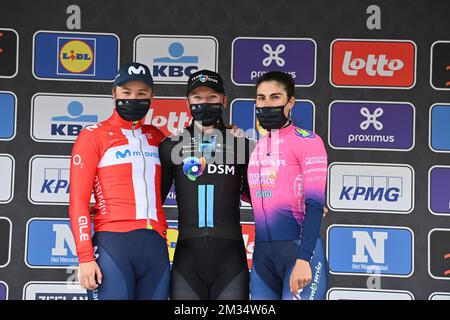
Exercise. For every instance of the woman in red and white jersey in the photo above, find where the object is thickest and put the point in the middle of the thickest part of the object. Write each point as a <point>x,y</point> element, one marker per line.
<point>118,160</point>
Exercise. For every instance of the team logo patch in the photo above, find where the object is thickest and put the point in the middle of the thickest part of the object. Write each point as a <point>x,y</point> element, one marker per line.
<point>193,167</point>
<point>304,133</point>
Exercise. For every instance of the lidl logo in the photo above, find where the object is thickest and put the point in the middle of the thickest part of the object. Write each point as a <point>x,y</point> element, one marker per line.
<point>76,56</point>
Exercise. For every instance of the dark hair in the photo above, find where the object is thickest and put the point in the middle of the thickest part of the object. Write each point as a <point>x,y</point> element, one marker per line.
<point>282,78</point>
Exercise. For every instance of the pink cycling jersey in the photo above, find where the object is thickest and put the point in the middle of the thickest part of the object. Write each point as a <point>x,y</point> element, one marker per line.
<point>287,177</point>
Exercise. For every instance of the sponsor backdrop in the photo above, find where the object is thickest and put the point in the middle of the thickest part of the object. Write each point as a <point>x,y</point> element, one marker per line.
<point>372,79</point>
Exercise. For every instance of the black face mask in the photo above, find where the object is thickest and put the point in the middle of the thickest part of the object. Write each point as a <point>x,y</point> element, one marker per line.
<point>206,113</point>
<point>132,109</point>
<point>271,117</point>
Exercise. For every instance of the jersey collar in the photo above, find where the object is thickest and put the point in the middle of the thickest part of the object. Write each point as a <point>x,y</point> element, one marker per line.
<point>118,121</point>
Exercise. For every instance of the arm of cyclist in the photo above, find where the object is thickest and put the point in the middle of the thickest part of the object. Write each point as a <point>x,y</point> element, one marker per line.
<point>83,167</point>
<point>313,160</point>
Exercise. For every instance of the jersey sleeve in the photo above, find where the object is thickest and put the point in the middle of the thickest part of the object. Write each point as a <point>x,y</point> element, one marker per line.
<point>83,167</point>
<point>165,151</point>
<point>245,192</point>
<point>313,160</point>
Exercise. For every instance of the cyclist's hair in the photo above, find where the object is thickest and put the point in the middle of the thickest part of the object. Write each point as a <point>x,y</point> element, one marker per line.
<point>282,78</point>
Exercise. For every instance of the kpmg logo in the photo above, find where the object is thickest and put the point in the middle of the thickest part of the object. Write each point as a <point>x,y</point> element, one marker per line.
<point>53,290</point>
<point>363,250</point>
<point>9,53</point>
<point>7,172</point>
<point>49,180</point>
<point>61,117</point>
<point>438,186</point>
<point>172,59</point>
<point>364,187</point>
<point>439,254</point>
<point>242,114</point>
<point>75,56</point>
<point>3,291</point>
<point>439,136</point>
<point>252,57</point>
<point>5,241</point>
<point>50,244</point>
<point>373,63</point>
<point>440,65</point>
<point>8,115</point>
<point>367,294</point>
<point>371,125</point>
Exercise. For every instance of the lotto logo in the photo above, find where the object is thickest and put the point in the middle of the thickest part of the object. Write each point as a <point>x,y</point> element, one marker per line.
<point>373,63</point>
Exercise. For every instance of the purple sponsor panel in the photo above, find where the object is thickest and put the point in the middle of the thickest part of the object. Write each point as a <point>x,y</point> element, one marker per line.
<point>439,186</point>
<point>3,291</point>
<point>371,125</point>
<point>252,57</point>
<point>171,200</point>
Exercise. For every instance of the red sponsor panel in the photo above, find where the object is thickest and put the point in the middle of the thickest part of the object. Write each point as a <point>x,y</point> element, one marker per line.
<point>376,63</point>
<point>169,114</point>
<point>248,233</point>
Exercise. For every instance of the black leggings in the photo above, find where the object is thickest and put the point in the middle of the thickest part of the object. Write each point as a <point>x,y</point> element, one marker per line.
<point>210,269</point>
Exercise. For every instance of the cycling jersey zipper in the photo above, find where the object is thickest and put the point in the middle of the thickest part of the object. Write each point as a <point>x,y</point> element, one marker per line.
<point>145,180</point>
<point>269,235</point>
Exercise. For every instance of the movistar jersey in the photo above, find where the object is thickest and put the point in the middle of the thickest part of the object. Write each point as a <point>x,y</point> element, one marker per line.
<point>119,161</point>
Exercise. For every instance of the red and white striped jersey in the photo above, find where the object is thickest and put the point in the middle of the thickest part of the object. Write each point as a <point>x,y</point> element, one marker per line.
<point>119,161</point>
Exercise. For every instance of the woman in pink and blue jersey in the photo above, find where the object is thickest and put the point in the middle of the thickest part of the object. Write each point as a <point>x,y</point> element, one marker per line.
<point>287,177</point>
